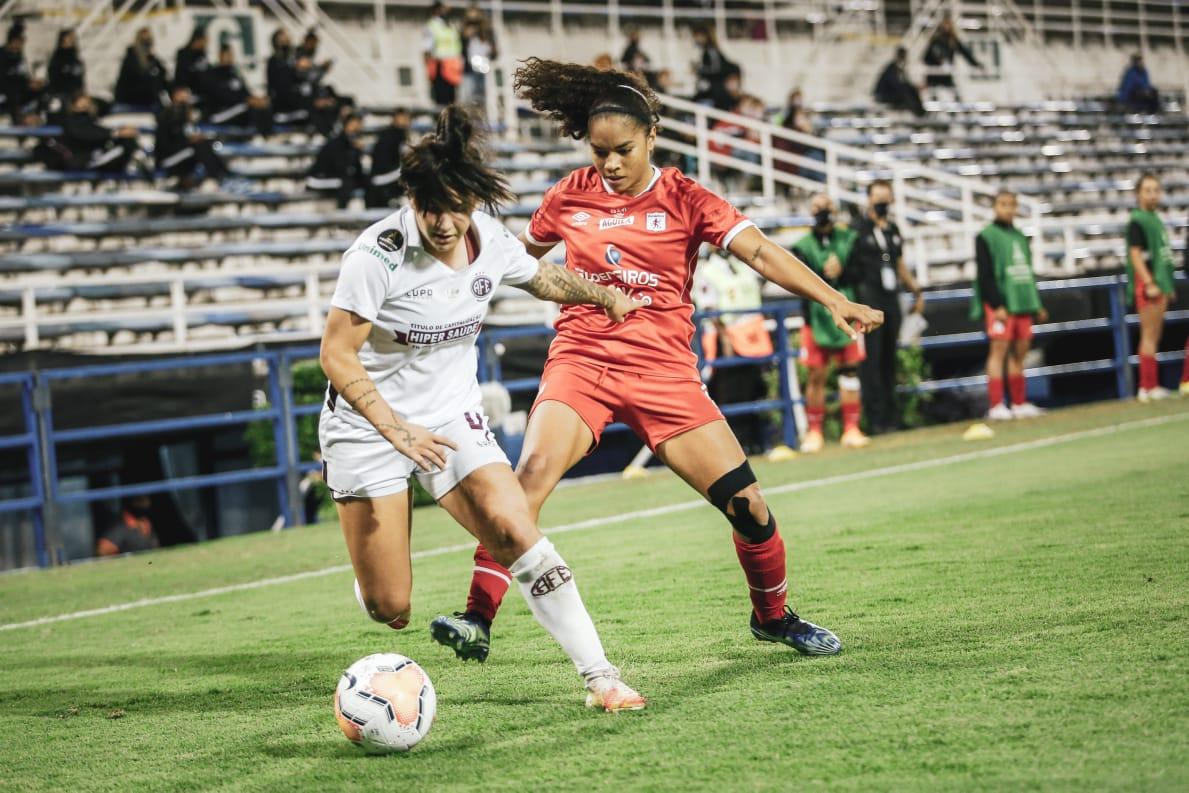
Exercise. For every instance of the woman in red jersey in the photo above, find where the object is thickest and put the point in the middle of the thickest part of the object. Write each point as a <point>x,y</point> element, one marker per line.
<point>631,225</point>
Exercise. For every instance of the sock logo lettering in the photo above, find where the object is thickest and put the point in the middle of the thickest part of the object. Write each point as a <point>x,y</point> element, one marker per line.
<point>551,579</point>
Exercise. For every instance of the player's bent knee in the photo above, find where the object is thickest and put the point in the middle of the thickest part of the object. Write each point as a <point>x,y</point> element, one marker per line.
<point>737,495</point>
<point>389,607</point>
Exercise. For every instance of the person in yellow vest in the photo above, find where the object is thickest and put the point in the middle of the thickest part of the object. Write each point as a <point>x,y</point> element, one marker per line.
<point>1150,280</point>
<point>442,48</point>
<point>723,283</point>
<point>827,249</point>
<point>1006,298</point>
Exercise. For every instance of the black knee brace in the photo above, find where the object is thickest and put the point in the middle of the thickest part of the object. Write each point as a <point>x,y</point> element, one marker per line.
<point>722,494</point>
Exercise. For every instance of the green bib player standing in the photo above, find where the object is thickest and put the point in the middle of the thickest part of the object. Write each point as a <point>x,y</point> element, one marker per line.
<point>1006,298</point>
<point>827,249</point>
<point>1150,281</point>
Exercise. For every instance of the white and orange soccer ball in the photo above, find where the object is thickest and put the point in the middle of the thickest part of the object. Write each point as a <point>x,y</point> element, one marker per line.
<point>385,703</point>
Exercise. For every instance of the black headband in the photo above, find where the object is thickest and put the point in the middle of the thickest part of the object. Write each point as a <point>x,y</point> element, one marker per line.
<point>645,117</point>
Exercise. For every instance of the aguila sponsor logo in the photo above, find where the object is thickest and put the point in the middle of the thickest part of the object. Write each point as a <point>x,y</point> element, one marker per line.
<point>580,218</point>
<point>610,223</point>
<point>550,580</point>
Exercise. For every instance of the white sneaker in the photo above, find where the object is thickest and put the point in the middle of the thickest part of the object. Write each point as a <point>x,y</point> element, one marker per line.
<point>608,692</point>
<point>1000,413</point>
<point>812,443</point>
<point>1026,410</point>
<point>1153,394</point>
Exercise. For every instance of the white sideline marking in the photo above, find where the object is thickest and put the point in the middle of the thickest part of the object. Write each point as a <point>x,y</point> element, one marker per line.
<point>669,509</point>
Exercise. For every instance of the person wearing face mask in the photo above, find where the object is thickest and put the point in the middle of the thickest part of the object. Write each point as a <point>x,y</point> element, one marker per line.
<point>627,223</point>
<point>183,152</point>
<point>827,249</point>
<point>228,100</point>
<point>878,257</point>
<point>142,76</point>
<point>192,68</point>
<point>21,94</point>
<point>338,167</point>
<point>67,75</point>
<point>131,532</point>
<point>384,181</point>
<point>403,398</point>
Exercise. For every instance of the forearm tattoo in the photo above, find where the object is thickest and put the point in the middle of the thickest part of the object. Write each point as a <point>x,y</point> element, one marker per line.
<point>559,285</point>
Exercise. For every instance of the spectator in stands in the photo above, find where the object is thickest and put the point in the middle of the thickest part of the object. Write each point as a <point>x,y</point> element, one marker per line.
<point>183,152</point>
<point>879,256</point>
<point>338,166</point>
<point>724,283</point>
<point>634,59</point>
<point>132,531</point>
<point>1150,280</point>
<point>748,107</point>
<point>192,68</point>
<point>796,117</point>
<point>713,71</point>
<point>90,145</point>
<point>442,51</point>
<point>1006,298</point>
<point>309,48</point>
<point>827,248</point>
<point>322,105</point>
<point>940,52</point>
<point>67,74</point>
<point>479,49</point>
<point>289,104</point>
<point>1136,92</point>
<point>895,90</point>
<point>20,93</point>
<point>228,101</point>
<point>142,77</point>
<point>384,184</point>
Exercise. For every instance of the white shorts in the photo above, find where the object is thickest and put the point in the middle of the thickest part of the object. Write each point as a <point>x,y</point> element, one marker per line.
<point>359,463</point>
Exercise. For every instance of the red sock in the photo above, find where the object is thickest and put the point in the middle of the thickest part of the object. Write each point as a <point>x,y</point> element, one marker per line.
<point>489,582</point>
<point>995,390</point>
<point>850,415</point>
<point>1148,377</point>
<point>1018,387</point>
<point>1185,368</point>
<point>763,564</point>
<point>816,416</point>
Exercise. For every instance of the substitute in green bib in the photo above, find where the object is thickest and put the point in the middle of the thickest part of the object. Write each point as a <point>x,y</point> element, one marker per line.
<point>1006,298</point>
<point>1149,280</point>
<point>827,249</point>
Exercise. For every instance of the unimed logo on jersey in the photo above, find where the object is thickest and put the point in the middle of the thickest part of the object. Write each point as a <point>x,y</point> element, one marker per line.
<point>481,287</point>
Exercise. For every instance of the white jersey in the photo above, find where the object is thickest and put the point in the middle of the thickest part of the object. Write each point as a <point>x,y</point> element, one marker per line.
<point>425,316</point>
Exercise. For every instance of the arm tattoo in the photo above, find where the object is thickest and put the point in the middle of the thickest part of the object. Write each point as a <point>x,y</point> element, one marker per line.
<point>559,285</point>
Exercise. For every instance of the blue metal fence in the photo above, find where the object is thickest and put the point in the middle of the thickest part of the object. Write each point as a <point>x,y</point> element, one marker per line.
<point>41,441</point>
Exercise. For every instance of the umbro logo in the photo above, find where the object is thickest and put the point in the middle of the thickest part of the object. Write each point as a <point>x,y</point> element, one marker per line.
<point>580,218</point>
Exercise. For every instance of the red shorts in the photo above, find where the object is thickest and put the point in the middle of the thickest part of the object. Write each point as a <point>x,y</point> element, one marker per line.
<point>657,408</point>
<point>817,357</point>
<point>1017,326</point>
<point>1142,301</point>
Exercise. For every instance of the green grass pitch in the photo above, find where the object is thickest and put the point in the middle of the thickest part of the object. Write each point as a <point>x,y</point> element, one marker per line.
<point>1011,621</point>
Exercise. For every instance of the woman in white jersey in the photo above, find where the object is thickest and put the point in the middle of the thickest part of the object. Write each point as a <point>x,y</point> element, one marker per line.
<point>403,399</point>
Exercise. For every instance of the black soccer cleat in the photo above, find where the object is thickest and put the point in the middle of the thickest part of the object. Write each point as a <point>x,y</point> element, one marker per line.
<point>469,638</point>
<point>804,637</point>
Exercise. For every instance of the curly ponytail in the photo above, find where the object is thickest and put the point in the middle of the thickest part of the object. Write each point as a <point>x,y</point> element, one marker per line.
<point>573,94</point>
<point>447,172</point>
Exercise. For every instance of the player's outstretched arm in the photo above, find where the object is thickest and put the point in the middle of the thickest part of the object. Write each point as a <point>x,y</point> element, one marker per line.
<point>784,269</point>
<point>345,333</point>
<point>559,285</point>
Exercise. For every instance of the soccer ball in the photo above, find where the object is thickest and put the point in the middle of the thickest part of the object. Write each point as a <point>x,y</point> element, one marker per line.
<point>385,703</point>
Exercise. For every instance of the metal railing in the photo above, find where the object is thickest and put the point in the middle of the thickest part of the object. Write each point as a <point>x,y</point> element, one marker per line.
<point>42,441</point>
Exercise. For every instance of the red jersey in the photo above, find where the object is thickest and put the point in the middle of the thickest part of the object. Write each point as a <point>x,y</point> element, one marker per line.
<point>645,245</point>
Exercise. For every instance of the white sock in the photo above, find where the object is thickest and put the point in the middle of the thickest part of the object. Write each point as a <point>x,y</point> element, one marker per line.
<point>548,586</point>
